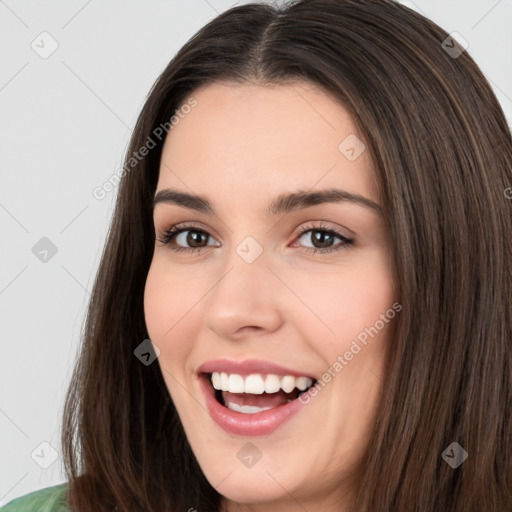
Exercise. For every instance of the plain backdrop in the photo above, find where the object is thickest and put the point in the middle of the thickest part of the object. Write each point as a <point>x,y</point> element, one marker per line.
<point>73,78</point>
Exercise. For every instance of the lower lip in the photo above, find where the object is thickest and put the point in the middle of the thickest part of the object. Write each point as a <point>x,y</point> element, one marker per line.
<point>257,424</point>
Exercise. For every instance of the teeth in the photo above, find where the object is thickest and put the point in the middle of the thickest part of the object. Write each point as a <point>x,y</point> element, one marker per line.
<point>235,383</point>
<point>216,380</point>
<point>246,409</point>
<point>303,383</point>
<point>256,384</point>
<point>272,384</point>
<point>288,383</point>
<point>224,381</point>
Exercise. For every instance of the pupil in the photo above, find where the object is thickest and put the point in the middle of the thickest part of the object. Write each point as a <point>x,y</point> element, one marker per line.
<point>319,235</point>
<point>193,236</point>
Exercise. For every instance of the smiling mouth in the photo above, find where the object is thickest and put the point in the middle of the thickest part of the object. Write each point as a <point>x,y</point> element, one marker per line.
<point>257,392</point>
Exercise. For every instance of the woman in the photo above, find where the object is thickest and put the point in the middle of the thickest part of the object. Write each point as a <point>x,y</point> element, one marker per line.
<point>304,299</point>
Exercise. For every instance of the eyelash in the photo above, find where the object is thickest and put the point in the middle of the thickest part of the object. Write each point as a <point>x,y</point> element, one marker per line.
<point>174,231</point>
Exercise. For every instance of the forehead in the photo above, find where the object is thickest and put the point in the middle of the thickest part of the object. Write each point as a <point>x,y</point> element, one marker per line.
<point>265,139</point>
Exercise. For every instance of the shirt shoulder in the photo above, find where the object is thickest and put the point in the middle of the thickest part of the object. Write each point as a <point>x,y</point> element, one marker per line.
<point>49,499</point>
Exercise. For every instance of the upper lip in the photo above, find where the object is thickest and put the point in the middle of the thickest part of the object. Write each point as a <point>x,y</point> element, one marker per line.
<point>248,367</point>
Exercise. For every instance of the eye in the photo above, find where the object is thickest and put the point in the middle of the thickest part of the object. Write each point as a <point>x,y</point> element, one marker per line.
<point>195,236</point>
<point>322,239</point>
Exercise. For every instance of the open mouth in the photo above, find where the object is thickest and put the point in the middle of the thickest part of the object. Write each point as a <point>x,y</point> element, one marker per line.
<point>256,393</point>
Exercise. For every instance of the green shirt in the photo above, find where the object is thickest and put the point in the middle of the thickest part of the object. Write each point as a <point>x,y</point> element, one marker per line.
<point>49,499</point>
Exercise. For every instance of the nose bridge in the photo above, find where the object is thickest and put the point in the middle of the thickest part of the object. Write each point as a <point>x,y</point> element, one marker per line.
<point>245,293</point>
<point>245,269</point>
<point>250,250</point>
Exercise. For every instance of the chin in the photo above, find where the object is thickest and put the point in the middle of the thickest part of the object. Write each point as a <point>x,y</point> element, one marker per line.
<point>253,487</point>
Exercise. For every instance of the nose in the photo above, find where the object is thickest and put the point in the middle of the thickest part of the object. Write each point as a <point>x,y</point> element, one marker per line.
<point>246,300</point>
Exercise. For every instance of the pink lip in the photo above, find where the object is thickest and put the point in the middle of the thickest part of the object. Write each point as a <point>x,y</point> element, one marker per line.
<point>237,423</point>
<point>248,367</point>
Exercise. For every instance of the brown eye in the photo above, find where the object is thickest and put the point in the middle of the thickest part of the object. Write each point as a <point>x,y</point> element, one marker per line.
<point>192,236</point>
<point>323,239</point>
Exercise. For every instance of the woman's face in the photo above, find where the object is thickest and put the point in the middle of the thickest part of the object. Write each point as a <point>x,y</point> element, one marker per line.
<point>247,287</point>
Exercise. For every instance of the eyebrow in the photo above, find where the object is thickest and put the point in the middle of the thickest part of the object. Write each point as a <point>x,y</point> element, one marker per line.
<point>282,204</point>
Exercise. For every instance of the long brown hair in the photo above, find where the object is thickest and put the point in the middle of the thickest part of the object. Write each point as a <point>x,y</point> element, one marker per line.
<point>442,153</point>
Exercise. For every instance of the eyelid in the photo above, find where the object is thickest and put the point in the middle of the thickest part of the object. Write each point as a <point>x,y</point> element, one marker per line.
<point>175,230</point>
<point>340,230</point>
<point>307,225</point>
<point>180,227</point>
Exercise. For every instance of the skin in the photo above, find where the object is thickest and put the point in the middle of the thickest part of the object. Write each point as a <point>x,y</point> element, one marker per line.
<point>242,146</point>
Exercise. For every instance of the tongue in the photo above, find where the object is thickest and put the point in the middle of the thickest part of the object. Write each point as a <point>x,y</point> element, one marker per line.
<point>263,400</point>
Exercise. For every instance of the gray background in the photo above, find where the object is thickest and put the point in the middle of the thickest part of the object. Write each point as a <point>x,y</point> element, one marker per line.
<point>65,122</point>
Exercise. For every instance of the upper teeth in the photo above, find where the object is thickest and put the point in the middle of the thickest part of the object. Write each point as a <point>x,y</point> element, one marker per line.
<point>257,384</point>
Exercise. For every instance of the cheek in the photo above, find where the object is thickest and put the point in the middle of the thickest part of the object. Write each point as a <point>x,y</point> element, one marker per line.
<point>168,302</point>
<point>156,305</point>
<point>162,312</point>
<point>172,317</point>
<point>350,300</point>
<point>165,313</point>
